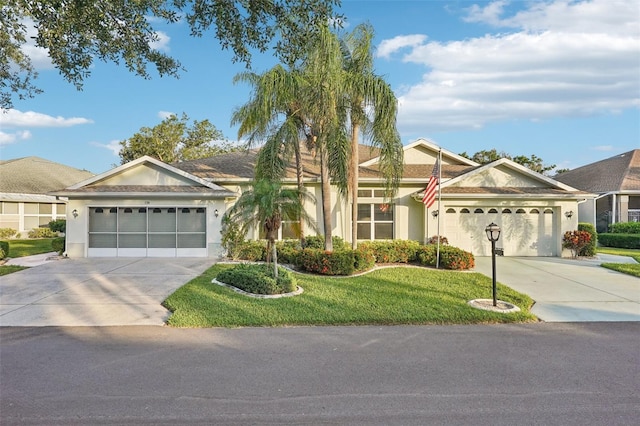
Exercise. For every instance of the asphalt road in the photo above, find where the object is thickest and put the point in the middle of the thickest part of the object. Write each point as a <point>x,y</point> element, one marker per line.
<point>531,374</point>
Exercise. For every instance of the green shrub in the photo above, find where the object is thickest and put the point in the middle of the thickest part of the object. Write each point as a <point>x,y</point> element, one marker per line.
<point>631,241</point>
<point>42,233</point>
<point>258,279</point>
<point>392,251</point>
<point>590,249</point>
<point>341,262</point>
<point>288,251</point>
<point>625,228</point>
<point>58,244</point>
<point>450,257</point>
<point>4,249</point>
<point>363,259</point>
<point>252,251</point>
<point>58,225</point>
<point>8,233</point>
<point>317,242</point>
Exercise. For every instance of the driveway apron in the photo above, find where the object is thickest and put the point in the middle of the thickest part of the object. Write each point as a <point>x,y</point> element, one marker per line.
<point>570,290</point>
<point>95,291</point>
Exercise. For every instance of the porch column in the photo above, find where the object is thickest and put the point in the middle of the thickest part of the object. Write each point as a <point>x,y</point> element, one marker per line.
<point>624,208</point>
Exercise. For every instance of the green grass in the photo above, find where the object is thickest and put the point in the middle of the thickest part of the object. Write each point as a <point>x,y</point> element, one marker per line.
<point>383,297</point>
<point>626,268</point>
<point>635,253</point>
<point>21,248</point>
<point>8,269</point>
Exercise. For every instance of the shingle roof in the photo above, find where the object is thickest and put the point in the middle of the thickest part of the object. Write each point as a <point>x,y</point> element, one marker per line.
<point>618,173</point>
<point>175,189</point>
<point>241,165</point>
<point>34,175</point>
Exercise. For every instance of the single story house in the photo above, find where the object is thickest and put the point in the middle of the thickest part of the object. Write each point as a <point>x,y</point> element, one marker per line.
<point>25,184</point>
<point>149,208</point>
<point>616,181</point>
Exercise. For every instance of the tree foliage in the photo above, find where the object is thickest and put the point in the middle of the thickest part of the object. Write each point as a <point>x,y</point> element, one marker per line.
<point>532,162</point>
<point>174,140</point>
<point>75,33</point>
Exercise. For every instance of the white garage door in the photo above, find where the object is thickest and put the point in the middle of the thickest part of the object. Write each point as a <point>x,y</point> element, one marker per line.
<point>147,232</point>
<point>526,231</point>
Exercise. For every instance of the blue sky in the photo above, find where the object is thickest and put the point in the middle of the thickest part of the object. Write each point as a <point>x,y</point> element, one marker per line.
<point>559,79</point>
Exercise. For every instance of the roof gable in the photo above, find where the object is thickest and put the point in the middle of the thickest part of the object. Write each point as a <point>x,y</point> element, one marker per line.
<point>423,151</point>
<point>505,173</point>
<point>145,175</point>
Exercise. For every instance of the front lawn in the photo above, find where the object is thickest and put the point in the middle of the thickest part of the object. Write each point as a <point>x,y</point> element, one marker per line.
<point>29,247</point>
<point>383,297</point>
<point>9,269</point>
<point>626,268</point>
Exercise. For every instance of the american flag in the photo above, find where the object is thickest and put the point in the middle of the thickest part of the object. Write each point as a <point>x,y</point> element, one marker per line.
<point>430,191</point>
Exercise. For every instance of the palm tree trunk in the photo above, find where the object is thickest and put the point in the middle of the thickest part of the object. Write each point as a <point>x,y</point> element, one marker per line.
<point>274,257</point>
<point>326,198</point>
<point>300,177</point>
<point>353,176</point>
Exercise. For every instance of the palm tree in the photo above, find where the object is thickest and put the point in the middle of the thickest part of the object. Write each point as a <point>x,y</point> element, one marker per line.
<point>273,115</point>
<point>266,205</point>
<point>369,95</point>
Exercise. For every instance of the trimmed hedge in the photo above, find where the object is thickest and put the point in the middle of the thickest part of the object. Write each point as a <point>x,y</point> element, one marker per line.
<point>4,249</point>
<point>58,225</point>
<point>392,251</point>
<point>258,279</point>
<point>450,257</point>
<point>58,244</point>
<point>251,250</point>
<point>341,262</point>
<point>631,241</point>
<point>590,249</point>
<point>625,228</point>
<point>288,251</point>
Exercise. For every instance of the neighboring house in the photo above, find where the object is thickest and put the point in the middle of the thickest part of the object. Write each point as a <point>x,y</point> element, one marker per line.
<point>149,208</point>
<point>616,180</point>
<point>25,184</point>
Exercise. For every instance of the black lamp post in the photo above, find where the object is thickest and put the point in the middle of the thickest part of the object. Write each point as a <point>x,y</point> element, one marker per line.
<point>493,234</point>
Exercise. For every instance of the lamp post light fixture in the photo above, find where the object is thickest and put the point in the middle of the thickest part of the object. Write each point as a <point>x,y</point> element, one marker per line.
<point>493,234</point>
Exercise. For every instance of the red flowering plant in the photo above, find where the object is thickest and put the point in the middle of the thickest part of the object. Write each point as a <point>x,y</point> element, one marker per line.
<point>576,241</point>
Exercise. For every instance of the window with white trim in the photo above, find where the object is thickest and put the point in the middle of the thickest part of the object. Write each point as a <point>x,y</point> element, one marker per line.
<point>375,221</point>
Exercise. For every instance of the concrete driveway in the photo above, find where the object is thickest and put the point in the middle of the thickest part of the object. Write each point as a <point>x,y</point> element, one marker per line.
<point>94,292</point>
<point>568,290</point>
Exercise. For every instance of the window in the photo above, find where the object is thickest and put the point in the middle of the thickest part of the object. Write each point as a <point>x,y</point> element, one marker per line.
<point>451,210</point>
<point>375,221</point>
<point>478,211</point>
<point>493,211</point>
<point>534,211</point>
<point>506,211</point>
<point>464,211</point>
<point>9,208</point>
<point>364,193</point>
<point>548,211</point>
<point>520,211</point>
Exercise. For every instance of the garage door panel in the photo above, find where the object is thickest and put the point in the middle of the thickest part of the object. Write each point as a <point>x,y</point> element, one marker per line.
<point>524,231</point>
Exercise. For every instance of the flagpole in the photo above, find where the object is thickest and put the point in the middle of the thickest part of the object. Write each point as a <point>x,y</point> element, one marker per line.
<point>439,210</point>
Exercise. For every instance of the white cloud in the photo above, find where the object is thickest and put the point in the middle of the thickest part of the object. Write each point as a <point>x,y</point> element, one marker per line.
<point>165,114</point>
<point>162,42</point>
<point>30,119</point>
<point>39,56</point>
<point>9,138</point>
<point>602,148</point>
<point>113,146</point>
<point>388,47</point>
<point>567,58</point>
